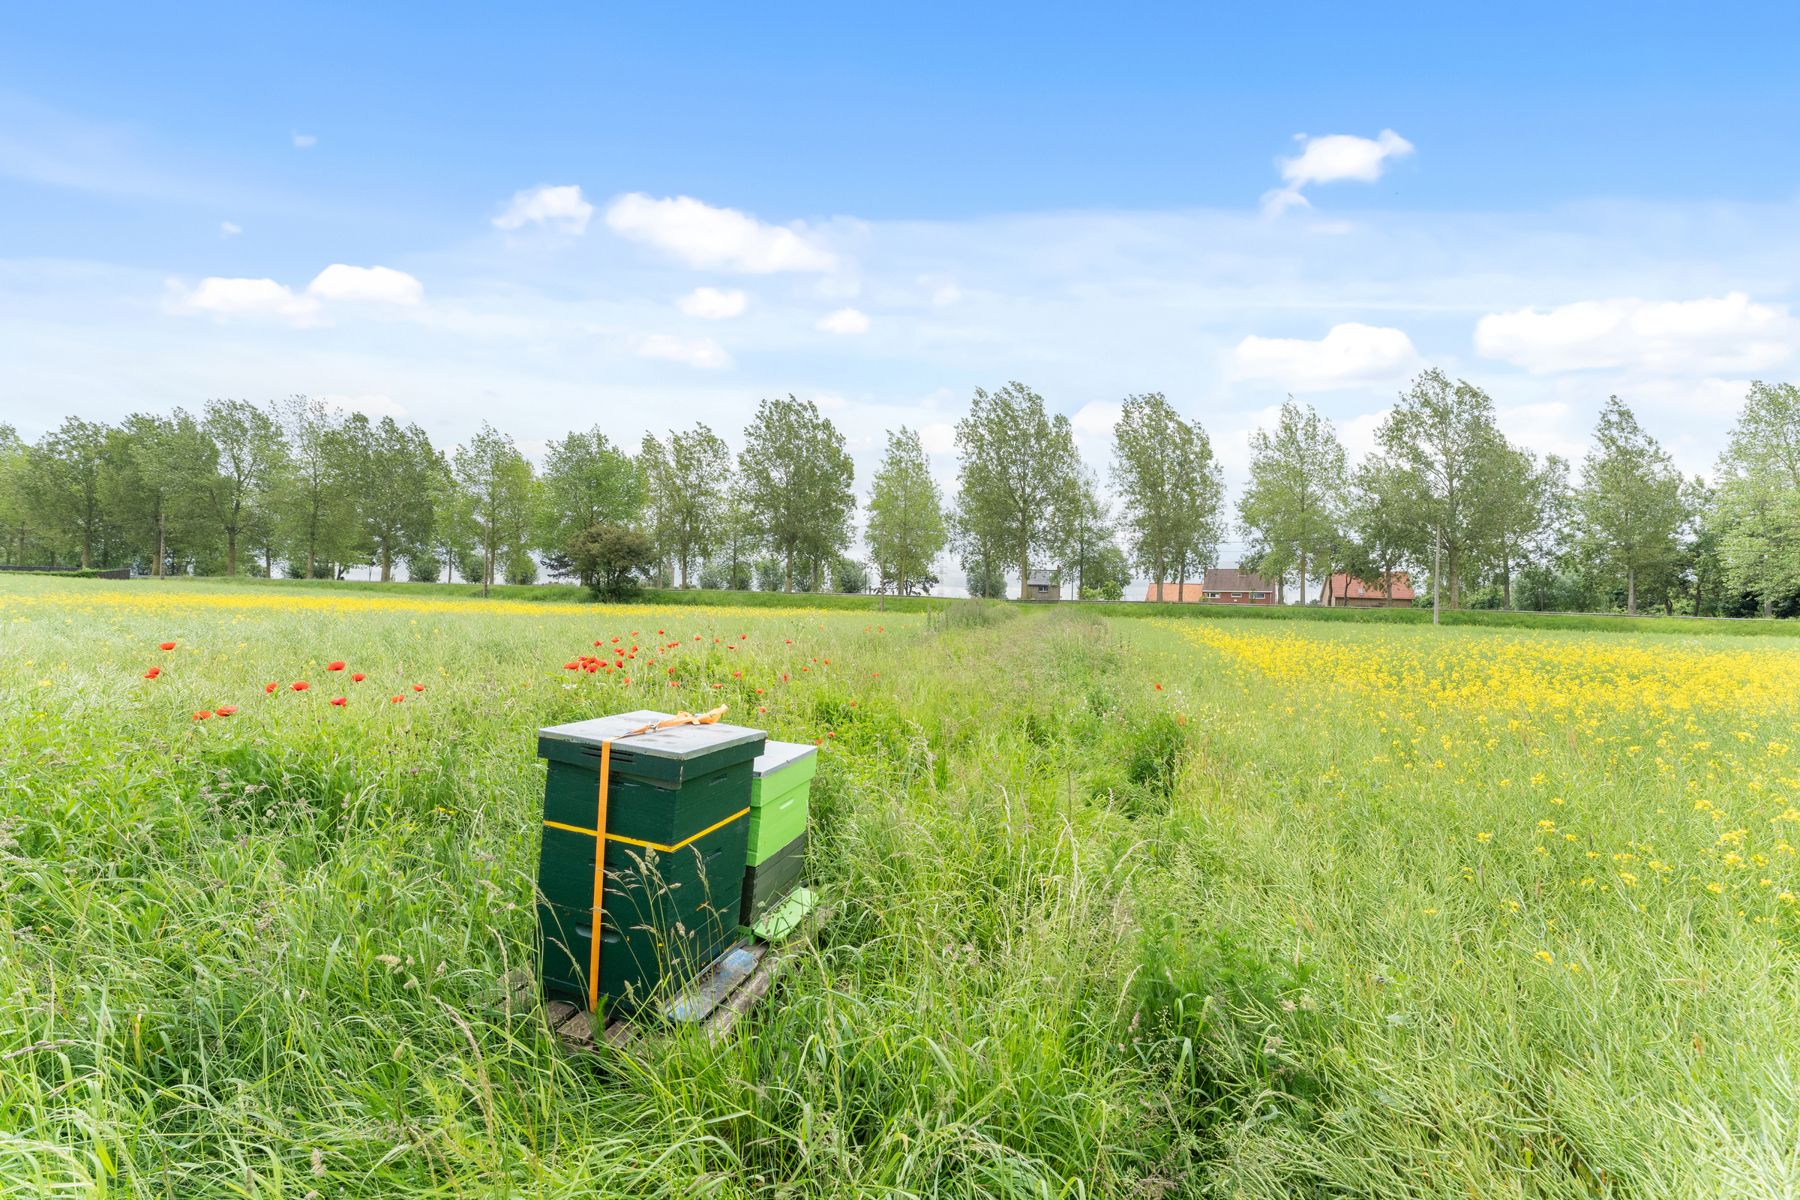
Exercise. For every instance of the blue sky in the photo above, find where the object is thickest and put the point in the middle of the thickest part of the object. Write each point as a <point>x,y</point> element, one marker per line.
<point>561,216</point>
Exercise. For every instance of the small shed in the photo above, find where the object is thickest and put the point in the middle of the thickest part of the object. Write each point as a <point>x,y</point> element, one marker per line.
<point>1042,584</point>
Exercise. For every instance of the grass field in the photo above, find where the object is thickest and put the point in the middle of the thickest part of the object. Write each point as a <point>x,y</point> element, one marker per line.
<point>1139,908</point>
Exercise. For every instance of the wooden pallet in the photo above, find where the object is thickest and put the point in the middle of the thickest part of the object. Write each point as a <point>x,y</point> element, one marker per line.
<point>714,1001</point>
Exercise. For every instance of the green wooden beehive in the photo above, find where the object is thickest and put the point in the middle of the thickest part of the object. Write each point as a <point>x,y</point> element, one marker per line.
<point>676,832</point>
<point>779,796</point>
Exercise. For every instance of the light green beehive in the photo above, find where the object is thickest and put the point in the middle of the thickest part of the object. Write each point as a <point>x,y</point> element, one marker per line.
<point>780,790</point>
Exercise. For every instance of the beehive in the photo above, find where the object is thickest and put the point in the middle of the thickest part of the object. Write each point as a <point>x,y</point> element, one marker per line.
<point>673,816</point>
<point>780,792</point>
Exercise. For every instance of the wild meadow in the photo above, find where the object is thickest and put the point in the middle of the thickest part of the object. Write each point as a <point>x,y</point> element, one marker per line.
<point>1148,908</point>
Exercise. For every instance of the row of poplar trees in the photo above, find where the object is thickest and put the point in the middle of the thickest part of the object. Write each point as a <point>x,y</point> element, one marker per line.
<point>302,489</point>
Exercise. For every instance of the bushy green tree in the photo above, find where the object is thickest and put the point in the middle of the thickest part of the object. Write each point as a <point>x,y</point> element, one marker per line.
<point>1171,488</point>
<point>587,481</point>
<point>610,560</point>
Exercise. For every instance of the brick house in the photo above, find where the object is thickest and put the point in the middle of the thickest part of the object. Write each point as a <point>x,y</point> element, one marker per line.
<point>1347,591</point>
<point>1220,585</point>
<point>1042,584</point>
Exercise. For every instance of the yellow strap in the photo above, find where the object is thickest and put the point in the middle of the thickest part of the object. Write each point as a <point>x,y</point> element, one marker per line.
<point>631,841</point>
<point>599,875</point>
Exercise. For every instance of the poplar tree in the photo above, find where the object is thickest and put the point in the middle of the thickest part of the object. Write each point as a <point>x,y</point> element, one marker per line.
<point>1018,461</point>
<point>1442,447</point>
<point>1629,509</point>
<point>907,529</point>
<point>1291,508</point>
<point>796,479</point>
<point>247,455</point>
<point>496,482</point>
<point>1758,501</point>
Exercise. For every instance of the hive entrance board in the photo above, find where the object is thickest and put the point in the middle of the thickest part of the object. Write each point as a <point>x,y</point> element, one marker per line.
<point>713,1002</point>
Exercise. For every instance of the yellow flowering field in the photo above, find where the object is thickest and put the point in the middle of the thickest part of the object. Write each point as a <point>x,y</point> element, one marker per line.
<point>1546,882</point>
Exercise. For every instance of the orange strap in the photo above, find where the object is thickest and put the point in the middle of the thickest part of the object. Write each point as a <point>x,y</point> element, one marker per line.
<point>599,875</point>
<point>684,717</point>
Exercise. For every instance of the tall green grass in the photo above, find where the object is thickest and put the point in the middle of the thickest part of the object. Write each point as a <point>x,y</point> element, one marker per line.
<point>1092,937</point>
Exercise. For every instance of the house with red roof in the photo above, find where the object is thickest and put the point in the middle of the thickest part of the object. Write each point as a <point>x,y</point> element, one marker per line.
<point>1347,591</point>
<point>1220,585</point>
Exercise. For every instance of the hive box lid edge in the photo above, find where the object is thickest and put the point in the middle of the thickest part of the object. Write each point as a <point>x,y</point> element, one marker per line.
<point>680,743</point>
<point>777,756</point>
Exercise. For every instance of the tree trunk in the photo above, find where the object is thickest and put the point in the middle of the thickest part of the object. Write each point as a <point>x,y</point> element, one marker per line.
<point>1024,573</point>
<point>1768,606</point>
<point>231,552</point>
<point>1630,591</point>
<point>387,564</point>
<point>162,522</point>
<point>1437,565</point>
<point>1303,579</point>
<point>1506,583</point>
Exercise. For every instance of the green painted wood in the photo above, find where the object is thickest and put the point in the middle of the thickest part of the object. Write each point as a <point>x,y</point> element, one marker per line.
<point>768,883</point>
<point>666,755</point>
<point>665,910</point>
<point>780,796</point>
<point>666,915</point>
<point>636,808</point>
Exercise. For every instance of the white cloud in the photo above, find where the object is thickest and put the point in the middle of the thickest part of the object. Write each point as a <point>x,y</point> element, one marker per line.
<point>844,320</point>
<point>1726,333</point>
<point>305,141</point>
<point>703,236</point>
<point>1331,159</point>
<point>562,208</point>
<point>1348,354</point>
<point>230,229</point>
<point>938,438</point>
<point>1096,418</point>
<point>374,406</point>
<point>264,298</point>
<point>223,298</point>
<point>713,304</point>
<point>695,352</point>
<point>376,285</point>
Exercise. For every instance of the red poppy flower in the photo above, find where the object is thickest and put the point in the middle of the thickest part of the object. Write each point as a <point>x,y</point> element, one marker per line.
<point>759,691</point>
<point>225,710</point>
<point>418,687</point>
<point>1159,687</point>
<point>270,687</point>
<point>358,677</point>
<point>202,715</point>
<point>336,666</point>
<point>596,643</point>
<point>339,701</point>
<point>165,645</point>
<point>660,631</point>
<point>395,699</point>
<point>784,677</point>
<point>571,666</point>
<point>153,672</point>
<point>301,685</point>
<point>831,733</point>
<point>761,708</point>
